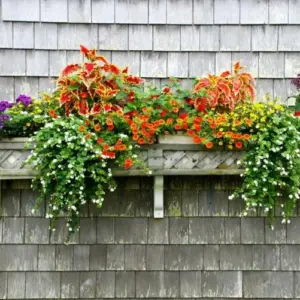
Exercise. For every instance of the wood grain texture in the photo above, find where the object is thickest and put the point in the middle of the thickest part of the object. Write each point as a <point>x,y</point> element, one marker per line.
<point>162,159</point>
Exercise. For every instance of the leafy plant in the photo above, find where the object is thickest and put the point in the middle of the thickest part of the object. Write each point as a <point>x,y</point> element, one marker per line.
<point>272,164</point>
<point>26,115</point>
<point>87,88</point>
<point>226,90</point>
<point>76,152</point>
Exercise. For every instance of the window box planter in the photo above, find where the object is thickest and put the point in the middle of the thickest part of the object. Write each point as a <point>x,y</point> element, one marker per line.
<point>173,155</point>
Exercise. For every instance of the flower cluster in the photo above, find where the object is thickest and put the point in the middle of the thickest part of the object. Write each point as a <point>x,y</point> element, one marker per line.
<point>4,105</point>
<point>25,100</point>
<point>26,115</point>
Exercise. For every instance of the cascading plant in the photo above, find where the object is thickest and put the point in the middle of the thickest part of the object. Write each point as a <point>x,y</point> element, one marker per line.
<point>73,152</point>
<point>272,164</point>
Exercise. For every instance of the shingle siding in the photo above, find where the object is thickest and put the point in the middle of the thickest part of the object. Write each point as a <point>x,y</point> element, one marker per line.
<point>215,29</point>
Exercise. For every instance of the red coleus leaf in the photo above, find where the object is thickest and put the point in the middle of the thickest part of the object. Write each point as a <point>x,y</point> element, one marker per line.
<point>237,83</point>
<point>96,109</point>
<point>82,106</point>
<point>70,69</point>
<point>89,67</point>
<point>237,67</point>
<point>202,83</point>
<point>84,50</point>
<point>64,98</point>
<point>225,74</point>
<point>107,107</point>
<point>223,86</point>
<point>114,69</point>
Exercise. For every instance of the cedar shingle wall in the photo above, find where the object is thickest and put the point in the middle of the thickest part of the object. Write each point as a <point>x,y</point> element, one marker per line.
<point>200,249</point>
<point>157,38</point>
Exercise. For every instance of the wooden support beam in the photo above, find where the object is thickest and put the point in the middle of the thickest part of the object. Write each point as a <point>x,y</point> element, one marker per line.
<point>158,196</point>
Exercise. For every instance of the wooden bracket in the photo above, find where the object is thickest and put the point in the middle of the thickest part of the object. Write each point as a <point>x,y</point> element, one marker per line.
<point>158,196</point>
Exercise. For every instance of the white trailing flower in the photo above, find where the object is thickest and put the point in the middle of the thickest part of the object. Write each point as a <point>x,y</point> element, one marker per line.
<point>231,197</point>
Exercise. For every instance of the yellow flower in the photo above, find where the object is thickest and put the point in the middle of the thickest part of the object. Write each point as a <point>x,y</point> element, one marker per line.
<point>28,124</point>
<point>221,143</point>
<point>230,147</point>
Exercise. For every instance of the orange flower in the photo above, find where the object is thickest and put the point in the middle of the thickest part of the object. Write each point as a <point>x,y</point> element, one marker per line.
<point>122,147</point>
<point>212,125</point>
<point>166,89</point>
<point>229,133</point>
<point>237,123</point>
<point>246,136</point>
<point>219,134</point>
<point>128,163</point>
<point>177,127</point>
<point>210,119</point>
<point>97,127</point>
<point>249,122</point>
<point>81,128</point>
<point>88,136</point>
<point>133,126</point>
<point>197,139</point>
<point>105,146</point>
<point>209,145</point>
<point>161,122</point>
<point>135,137</point>
<point>141,141</point>
<point>175,109</point>
<point>99,140</point>
<point>239,136</point>
<point>169,121</point>
<point>156,123</point>
<point>198,120</point>
<point>87,122</point>
<point>109,122</point>
<point>110,128</point>
<point>52,113</point>
<point>239,145</point>
<point>111,154</point>
<point>190,132</point>
<point>197,127</point>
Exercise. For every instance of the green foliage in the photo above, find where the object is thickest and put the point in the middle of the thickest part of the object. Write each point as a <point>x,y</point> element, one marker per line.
<point>73,165</point>
<point>272,167</point>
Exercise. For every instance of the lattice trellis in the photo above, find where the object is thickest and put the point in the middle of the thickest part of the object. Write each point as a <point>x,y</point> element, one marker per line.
<point>162,159</point>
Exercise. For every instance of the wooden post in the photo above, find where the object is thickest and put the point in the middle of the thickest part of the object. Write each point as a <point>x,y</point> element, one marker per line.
<point>158,196</point>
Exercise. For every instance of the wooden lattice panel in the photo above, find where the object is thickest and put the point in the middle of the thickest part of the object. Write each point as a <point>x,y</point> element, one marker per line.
<point>162,159</point>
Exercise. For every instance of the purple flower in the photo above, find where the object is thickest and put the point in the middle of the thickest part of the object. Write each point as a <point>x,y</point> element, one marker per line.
<point>4,105</point>
<point>25,100</point>
<point>4,117</point>
<point>296,82</point>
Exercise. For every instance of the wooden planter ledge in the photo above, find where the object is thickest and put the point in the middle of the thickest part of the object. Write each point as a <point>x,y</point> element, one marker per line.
<point>171,156</point>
